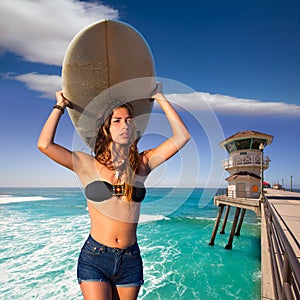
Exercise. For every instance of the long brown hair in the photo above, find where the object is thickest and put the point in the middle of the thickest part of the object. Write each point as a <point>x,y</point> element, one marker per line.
<point>103,153</point>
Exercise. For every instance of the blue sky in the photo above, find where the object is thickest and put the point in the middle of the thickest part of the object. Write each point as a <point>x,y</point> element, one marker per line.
<point>240,58</point>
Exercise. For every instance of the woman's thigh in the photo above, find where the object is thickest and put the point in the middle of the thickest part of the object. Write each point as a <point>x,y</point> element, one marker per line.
<point>103,291</point>
<point>125,293</point>
<point>92,290</point>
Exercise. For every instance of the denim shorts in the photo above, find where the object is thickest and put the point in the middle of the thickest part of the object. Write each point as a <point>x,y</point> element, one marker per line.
<point>119,267</point>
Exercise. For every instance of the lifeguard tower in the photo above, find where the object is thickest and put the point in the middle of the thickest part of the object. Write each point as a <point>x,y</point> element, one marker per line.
<point>246,165</point>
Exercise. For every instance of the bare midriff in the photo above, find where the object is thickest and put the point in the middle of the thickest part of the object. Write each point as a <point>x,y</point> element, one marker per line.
<point>111,232</point>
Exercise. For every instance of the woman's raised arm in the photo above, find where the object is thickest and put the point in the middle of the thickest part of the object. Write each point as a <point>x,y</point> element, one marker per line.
<point>180,136</point>
<point>46,142</point>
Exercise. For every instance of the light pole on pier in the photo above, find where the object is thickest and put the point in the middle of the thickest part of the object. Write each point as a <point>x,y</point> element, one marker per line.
<point>261,148</point>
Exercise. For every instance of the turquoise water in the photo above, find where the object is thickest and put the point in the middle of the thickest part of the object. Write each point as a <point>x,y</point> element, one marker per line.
<point>42,231</point>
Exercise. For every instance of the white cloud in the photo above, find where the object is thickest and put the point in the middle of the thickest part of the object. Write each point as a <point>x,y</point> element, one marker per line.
<point>40,30</point>
<point>220,104</point>
<point>47,85</point>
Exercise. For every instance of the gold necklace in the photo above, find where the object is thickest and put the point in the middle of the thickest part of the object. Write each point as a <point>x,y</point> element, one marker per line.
<point>118,189</point>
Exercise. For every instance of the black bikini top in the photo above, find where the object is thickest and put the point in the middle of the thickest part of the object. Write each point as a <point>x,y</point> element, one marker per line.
<point>101,190</point>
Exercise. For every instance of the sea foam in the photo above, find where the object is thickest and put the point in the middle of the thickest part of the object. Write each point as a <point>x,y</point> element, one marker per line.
<point>151,218</point>
<point>6,199</point>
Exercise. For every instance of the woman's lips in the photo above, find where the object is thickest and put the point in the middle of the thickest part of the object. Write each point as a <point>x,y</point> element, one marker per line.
<point>125,134</point>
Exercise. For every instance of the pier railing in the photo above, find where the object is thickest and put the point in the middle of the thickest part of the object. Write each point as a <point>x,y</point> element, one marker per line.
<point>284,262</point>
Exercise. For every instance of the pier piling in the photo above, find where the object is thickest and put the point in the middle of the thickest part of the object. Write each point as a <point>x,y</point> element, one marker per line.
<point>240,222</point>
<point>236,217</point>
<point>225,220</point>
<point>212,240</point>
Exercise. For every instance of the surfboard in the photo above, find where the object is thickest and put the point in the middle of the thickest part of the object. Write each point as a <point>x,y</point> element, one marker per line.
<point>107,62</point>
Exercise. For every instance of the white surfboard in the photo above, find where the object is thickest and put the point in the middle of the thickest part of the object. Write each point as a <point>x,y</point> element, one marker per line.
<point>107,61</point>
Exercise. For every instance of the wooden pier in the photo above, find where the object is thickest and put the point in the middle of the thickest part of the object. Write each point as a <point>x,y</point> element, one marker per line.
<point>241,205</point>
<point>279,212</point>
<point>280,238</point>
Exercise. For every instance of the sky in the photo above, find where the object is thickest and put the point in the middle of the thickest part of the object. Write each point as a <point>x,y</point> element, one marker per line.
<point>227,66</point>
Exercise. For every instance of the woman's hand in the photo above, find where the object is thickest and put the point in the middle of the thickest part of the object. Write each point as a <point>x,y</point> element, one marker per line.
<point>158,94</point>
<point>62,101</point>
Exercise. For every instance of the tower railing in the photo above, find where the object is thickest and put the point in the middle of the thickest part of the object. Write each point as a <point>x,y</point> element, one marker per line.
<point>245,161</point>
<point>237,194</point>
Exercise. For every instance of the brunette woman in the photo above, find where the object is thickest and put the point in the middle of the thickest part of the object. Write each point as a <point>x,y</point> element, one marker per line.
<point>110,264</point>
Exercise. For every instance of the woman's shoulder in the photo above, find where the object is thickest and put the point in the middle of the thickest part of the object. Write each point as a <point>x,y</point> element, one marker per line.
<point>82,161</point>
<point>145,166</point>
<point>144,156</point>
<point>83,155</point>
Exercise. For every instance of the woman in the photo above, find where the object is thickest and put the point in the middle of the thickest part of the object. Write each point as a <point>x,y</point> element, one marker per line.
<point>110,265</point>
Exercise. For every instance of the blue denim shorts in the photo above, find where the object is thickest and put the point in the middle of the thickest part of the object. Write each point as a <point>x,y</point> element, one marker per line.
<point>119,267</point>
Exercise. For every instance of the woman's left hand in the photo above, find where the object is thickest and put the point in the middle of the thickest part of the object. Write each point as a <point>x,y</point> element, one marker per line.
<point>158,94</point>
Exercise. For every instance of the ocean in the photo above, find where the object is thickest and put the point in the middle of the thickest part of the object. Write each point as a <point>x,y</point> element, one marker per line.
<point>43,229</point>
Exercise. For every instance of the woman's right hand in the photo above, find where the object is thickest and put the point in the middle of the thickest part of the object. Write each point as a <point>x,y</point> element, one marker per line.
<point>62,101</point>
<point>46,142</point>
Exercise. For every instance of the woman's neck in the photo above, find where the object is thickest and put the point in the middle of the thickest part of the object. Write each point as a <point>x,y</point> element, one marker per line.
<point>118,152</point>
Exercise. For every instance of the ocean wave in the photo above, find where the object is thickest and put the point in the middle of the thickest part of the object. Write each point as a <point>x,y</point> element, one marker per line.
<point>144,218</point>
<point>151,218</point>
<point>44,267</point>
<point>201,218</point>
<point>256,276</point>
<point>6,199</point>
<point>255,223</point>
<point>175,250</point>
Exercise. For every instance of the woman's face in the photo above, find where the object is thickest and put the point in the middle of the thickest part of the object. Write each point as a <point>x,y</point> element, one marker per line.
<point>121,126</point>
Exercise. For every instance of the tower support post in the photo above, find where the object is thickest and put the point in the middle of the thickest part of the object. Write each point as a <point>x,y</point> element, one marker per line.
<point>213,236</point>
<point>236,217</point>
